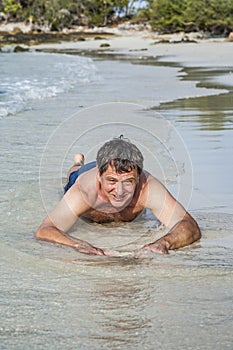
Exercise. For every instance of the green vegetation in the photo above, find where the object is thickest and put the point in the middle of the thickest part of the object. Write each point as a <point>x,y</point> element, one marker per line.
<point>57,14</point>
<point>214,16</point>
<point>11,7</point>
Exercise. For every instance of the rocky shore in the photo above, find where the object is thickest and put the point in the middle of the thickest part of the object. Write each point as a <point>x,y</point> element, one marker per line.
<point>20,37</point>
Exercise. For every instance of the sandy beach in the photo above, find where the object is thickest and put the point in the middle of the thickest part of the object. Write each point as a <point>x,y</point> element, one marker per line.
<point>196,51</point>
<point>142,43</point>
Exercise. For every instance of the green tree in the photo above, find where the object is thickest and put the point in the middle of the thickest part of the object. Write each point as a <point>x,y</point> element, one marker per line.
<point>103,12</point>
<point>215,16</point>
<point>11,8</point>
<point>57,14</point>
<point>167,15</point>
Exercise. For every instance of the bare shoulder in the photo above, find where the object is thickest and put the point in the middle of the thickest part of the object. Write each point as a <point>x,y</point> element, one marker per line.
<point>148,185</point>
<point>151,182</point>
<point>153,191</point>
<point>84,189</point>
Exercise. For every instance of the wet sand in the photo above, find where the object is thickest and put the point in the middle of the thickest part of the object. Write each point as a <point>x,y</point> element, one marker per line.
<point>55,298</point>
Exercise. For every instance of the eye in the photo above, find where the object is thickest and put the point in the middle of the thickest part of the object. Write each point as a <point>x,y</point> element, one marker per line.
<point>111,181</point>
<point>129,181</point>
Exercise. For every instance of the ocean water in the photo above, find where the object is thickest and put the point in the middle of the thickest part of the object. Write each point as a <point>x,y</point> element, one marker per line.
<point>23,81</point>
<point>52,297</point>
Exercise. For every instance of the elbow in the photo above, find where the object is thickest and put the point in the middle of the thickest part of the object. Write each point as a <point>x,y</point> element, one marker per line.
<point>194,228</point>
<point>197,233</point>
<point>40,234</point>
<point>37,234</point>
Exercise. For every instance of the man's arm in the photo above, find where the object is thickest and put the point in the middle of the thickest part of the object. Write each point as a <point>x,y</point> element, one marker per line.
<point>184,229</point>
<point>185,232</point>
<point>61,219</point>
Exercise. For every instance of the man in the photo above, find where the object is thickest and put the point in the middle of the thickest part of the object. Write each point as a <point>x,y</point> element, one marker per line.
<point>116,188</point>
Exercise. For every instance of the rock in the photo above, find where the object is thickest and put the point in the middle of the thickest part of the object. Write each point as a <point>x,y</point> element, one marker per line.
<point>3,33</point>
<point>230,36</point>
<point>33,42</point>
<point>16,30</point>
<point>99,38</point>
<point>19,48</point>
<point>135,50</point>
<point>3,17</point>
<point>105,45</point>
<point>128,26</point>
<point>195,36</point>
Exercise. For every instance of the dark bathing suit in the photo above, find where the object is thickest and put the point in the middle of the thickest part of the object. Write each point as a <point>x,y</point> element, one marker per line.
<point>75,174</point>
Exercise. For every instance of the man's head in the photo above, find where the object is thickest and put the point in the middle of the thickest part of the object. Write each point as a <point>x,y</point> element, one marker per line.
<point>120,153</point>
<point>119,163</point>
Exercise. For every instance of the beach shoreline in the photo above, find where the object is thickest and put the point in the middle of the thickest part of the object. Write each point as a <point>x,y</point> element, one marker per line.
<point>191,49</point>
<point>130,35</point>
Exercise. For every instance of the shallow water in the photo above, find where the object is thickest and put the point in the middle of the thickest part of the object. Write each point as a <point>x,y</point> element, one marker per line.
<point>53,297</point>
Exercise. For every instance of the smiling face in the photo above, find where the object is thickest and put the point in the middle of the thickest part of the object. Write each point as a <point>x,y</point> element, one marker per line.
<point>118,188</point>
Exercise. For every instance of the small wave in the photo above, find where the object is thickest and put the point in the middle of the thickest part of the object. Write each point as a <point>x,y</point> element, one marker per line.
<point>36,76</point>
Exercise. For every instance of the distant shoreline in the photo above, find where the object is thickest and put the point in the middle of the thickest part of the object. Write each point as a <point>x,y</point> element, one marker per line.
<point>125,44</point>
<point>20,33</point>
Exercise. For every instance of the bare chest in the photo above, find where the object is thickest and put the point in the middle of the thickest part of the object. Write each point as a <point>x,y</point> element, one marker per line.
<point>105,216</point>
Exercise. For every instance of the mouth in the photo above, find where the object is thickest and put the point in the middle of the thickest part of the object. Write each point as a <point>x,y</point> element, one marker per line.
<point>118,198</point>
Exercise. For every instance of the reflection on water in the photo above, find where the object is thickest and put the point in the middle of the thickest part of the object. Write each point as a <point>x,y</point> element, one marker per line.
<point>121,304</point>
<point>206,125</point>
<point>207,112</point>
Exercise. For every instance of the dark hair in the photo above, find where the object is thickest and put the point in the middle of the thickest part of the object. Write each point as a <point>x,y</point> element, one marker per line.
<point>120,153</point>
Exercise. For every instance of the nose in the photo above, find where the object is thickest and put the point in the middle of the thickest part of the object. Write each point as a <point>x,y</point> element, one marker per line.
<point>119,188</point>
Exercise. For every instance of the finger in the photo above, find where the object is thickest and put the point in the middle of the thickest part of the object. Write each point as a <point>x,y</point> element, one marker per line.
<point>160,250</point>
<point>99,251</point>
<point>109,252</point>
<point>88,249</point>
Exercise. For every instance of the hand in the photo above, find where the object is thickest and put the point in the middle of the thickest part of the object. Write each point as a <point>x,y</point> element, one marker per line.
<point>156,247</point>
<point>86,248</point>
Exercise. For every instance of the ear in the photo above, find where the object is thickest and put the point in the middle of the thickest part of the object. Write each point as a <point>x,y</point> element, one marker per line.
<point>98,175</point>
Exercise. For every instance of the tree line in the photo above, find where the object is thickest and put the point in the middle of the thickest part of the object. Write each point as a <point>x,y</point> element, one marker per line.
<point>214,16</point>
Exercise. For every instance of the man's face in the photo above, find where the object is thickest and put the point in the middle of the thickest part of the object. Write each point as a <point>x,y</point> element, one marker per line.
<point>118,188</point>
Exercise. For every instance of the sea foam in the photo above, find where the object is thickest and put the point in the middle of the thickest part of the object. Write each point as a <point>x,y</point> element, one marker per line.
<point>25,77</point>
